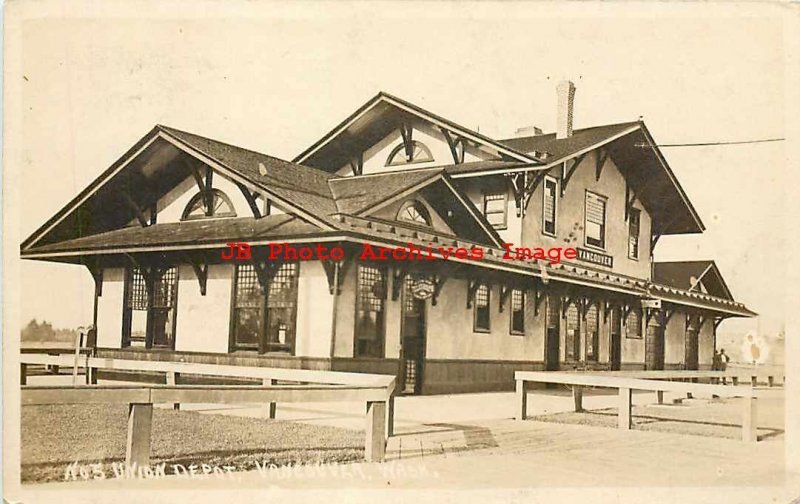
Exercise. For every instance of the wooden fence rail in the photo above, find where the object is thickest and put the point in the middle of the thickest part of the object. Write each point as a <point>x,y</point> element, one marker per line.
<point>625,387</point>
<point>268,376</point>
<point>141,399</point>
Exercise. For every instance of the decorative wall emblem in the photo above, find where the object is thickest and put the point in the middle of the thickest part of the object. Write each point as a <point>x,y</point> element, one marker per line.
<point>422,288</point>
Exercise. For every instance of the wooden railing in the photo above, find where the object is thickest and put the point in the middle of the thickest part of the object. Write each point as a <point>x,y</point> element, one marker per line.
<point>269,376</point>
<point>140,402</point>
<point>626,385</point>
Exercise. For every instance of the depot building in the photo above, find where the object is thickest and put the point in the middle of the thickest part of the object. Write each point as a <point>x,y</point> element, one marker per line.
<point>152,228</point>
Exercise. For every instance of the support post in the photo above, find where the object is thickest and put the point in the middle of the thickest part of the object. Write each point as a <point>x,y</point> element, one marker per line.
<point>375,445</point>
<point>23,374</point>
<point>625,406</point>
<point>771,381</point>
<point>272,408</point>
<point>390,419</point>
<point>735,380</point>
<point>140,423</point>
<point>522,400</point>
<point>172,379</point>
<point>577,397</point>
<point>749,420</point>
<point>660,396</point>
<point>754,380</point>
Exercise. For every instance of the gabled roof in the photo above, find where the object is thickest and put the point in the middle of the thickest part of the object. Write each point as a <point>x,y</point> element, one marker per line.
<point>364,194</point>
<point>377,118</point>
<point>687,275</point>
<point>100,207</point>
<point>581,139</point>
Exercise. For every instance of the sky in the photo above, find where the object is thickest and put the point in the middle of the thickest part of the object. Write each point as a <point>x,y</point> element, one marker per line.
<point>274,80</point>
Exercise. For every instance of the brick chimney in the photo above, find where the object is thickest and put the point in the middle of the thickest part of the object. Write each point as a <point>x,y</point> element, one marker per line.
<point>566,98</point>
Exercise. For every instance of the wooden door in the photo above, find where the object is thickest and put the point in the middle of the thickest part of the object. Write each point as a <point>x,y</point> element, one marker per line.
<point>413,330</point>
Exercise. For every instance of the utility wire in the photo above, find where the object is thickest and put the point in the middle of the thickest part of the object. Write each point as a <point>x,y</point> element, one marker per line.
<point>705,144</point>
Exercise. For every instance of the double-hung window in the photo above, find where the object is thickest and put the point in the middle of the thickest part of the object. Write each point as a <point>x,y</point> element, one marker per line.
<point>482,314</point>
<point>517,312</point>
<point>370,305</point>
<point>634,219</point>
<point>595,222</point>
<point>495,209</point>
<point>549,202</point>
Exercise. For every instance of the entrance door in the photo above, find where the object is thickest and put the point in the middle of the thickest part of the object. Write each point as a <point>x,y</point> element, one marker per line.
<point>551,337</point>
<point>412,336</point>
<point>615,349</point>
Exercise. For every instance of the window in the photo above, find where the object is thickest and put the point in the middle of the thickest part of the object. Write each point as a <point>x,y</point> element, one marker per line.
<point>370,305</point>
<point>517,312</point>
<point>572,342</point>
<point>414,211</point>
<point>248,309</point>
<point>634,218</point>
<point>148,318</point>
<point>204,204</point>
<point>592,333</point>
<point>482,317</point>
<point>549,206</point>
<point>633,324</point>
<point>494,208</point>
<point>266,323</point>
<point>282,309</point>
<point>595,220</point>
<point>419,154</point>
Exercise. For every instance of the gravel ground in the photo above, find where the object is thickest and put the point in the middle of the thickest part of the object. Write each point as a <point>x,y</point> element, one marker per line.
<point>715,417</point>
<point>55,436</point>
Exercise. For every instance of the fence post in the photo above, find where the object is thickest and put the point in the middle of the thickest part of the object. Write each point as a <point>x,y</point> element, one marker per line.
<point>749,420</point>
<point>172,379</point>
<point>625,405</point>
<point>272,407</point>
<point>390,419</point>
<point>754,380</point>
<point>140,423</point>
<point>522,400</point>
<point>577,397</point>
<point>660,396</point>
<point>735,380</point>
<point>23,374</point>
<point>771,381</point>
<point>375,445</point>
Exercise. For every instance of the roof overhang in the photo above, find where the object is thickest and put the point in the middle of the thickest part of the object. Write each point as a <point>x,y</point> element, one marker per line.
<point>376,119</point>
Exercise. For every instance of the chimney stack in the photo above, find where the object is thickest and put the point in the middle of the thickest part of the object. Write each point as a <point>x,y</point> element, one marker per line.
<point>527,131</point>
<point>566,99</point>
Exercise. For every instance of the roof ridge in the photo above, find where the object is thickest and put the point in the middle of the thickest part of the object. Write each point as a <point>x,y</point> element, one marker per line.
<point>596,126</point>
<point>170,129</point>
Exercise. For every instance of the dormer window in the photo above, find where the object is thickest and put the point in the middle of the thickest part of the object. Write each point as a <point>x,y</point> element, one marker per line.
<point>418,152</point>
<point>207,204</point>
<point>414,211</point>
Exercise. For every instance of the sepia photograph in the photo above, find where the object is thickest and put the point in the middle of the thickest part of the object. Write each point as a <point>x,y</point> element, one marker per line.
<point>384,251</point>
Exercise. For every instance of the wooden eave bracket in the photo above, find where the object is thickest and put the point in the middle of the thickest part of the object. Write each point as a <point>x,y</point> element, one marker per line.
<point>200,272</point>
<point>472,288</point>
<point>398,276</point>
<point>630,198</point>
<point>357,164</point>
<point>602,157</point>
<point>566,174</point>
<point>538,297</point>
<point>452,142</point>
<point>136,209</point>
<point>717,322</point>
<point>97,274</point>
<point>251,199</point>
<point>406,132</point>
<point>505,292</point>
<point>335,272</point>
<point>438,283</point>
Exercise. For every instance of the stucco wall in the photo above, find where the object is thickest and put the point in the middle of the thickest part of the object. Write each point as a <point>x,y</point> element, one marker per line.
<point>376,156</point>
<point>675,340</point>
<point>474,189</point>
<point>202,323</point>
<point>109,308</point>
<point>706,344</point>
<point>632,349</point>
<point>314,311</point>
<point>570,217</point>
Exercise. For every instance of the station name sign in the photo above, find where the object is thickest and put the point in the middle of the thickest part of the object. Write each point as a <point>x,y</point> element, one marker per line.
<point>595,257</point>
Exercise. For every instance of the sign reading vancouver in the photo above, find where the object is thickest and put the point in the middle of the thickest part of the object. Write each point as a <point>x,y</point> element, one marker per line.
<point>595,257</point>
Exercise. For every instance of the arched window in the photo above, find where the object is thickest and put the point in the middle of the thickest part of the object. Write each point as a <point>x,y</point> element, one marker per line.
<point>204,205</point>
<point>419,154</point>
<point>414,211</point>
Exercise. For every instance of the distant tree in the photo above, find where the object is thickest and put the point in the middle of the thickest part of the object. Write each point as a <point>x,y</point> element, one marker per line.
<point>35,331</point>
